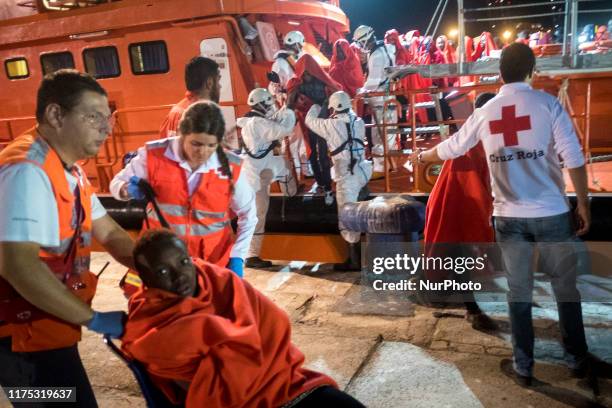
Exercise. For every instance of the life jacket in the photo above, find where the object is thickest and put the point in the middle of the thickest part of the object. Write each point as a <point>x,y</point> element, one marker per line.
<point>32,329</point>
<point>256,114</point>
<point>348,144</point>
<point>203,220</point>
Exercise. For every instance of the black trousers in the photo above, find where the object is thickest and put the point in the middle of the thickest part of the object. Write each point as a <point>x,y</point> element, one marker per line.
<point>328,397</point>
<point>319,160</point>
<point>49,368</point>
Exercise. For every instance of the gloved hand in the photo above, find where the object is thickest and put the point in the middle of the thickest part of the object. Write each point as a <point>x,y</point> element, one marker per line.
<point>110,323</point>
<point>236,265</point>
<point>134,190</point>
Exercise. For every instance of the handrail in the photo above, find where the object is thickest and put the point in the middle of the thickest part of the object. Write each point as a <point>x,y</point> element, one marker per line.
<point>411,94</point>
<point>10,120</point>
<point>386,157</point>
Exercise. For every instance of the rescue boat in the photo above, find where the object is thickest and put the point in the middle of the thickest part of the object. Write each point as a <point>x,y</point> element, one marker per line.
<point>137,49</point>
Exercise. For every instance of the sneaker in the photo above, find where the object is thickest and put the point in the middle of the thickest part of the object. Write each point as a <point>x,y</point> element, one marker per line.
<point>314,189</point>
<point>257,262</point>
<point>508,370</point>
<point>329,197</point>
<point>592,365</point>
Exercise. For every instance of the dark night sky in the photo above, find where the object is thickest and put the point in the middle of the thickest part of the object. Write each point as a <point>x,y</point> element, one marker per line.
<point>406,15</point>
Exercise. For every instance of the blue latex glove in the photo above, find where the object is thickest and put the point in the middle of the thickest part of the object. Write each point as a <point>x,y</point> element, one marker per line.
<point>110,323</point>
<point>236,265</point>
<point>133,190</point>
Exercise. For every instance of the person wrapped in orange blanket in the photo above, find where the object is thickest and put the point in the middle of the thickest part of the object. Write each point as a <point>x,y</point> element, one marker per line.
<point>459,210</point>
<point>345,67</point>
<point>209,339</point>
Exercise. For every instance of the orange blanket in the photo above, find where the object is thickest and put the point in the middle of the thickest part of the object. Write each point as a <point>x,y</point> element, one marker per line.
<point>459,208</point>
<point>460,205</point>
<point>229,343</point>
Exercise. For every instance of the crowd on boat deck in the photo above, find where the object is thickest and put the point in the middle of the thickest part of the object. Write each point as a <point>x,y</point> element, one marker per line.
<point>202,333</point>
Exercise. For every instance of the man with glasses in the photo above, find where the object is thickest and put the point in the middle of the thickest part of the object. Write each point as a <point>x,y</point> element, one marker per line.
<point>49,217</point>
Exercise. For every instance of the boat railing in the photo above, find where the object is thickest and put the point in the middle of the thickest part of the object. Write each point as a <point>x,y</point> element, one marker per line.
<point>13,127</point>
<point>412,126</point>
<point>582,121</point>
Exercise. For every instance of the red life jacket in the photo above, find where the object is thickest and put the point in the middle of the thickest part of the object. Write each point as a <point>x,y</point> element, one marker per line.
<point>31,328</point>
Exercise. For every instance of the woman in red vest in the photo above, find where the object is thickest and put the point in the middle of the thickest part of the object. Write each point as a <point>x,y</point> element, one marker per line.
<point>198,188</point>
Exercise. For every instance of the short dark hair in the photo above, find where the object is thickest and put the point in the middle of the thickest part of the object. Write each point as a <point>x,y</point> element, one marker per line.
<point>483,98</point>
<point>517,63</point>
<point>197,72</point>
<point>152,240</point>
<point>64,87</point>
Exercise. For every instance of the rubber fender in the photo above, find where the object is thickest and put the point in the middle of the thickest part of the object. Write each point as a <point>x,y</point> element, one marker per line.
<point>400,214</point>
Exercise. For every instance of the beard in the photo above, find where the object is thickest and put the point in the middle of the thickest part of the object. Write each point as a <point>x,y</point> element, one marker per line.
<point>215,94</point>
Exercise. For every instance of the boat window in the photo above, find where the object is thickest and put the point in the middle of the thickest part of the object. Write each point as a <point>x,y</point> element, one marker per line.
<point>16,68</point>
<point>57,60</point>
<point>102,62</point>
<point>149,58</point>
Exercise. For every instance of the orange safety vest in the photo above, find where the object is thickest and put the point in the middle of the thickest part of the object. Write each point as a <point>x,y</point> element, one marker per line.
<point>32,329</point>
<point>202,220</point>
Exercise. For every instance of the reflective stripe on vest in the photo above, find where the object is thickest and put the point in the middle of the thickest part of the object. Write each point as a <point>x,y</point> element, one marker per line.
<point>181,211</point>
<point>195,229</point>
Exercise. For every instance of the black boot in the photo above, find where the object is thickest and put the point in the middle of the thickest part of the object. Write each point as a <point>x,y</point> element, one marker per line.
<point>257,262</point>
<point>353,261</point>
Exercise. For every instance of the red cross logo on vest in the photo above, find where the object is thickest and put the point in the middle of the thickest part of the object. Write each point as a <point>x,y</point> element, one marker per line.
<point>510,125</point>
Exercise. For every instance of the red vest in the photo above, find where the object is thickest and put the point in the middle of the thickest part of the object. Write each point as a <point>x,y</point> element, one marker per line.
<point>202,220</point>
<point>32,329</point>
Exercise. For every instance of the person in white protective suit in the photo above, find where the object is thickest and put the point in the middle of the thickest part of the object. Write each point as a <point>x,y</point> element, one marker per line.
<point>282,70</point>
<point>262,129</point>
<point>344,132</point>
<point>380,56</point>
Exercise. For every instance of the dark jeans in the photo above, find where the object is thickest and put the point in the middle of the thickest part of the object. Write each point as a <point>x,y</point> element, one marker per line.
<point>328,397</point>
<point>556,247</point>
<point>319,160</point>
<point>49,368</point>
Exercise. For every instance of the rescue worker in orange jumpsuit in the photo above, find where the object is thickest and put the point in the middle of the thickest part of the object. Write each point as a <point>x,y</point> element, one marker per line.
<point>199,187</point>
<point>50,215</point>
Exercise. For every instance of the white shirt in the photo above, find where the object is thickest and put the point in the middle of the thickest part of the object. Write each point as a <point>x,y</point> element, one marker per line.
<point>242,202</point>
<point>333,130</point>
<point>526,178</point>
<point>28,209</point>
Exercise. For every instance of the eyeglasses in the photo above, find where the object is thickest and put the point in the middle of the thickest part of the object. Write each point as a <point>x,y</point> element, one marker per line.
<point>99,120</point>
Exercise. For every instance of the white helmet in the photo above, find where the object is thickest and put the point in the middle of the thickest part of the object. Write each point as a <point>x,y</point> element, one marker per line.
<point>294,37</point>
<point>340,101</point>
<point>362,34</point>
<point>260,95</point>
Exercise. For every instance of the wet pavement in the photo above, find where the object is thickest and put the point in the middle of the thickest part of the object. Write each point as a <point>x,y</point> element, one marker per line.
<point>384,352</point>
